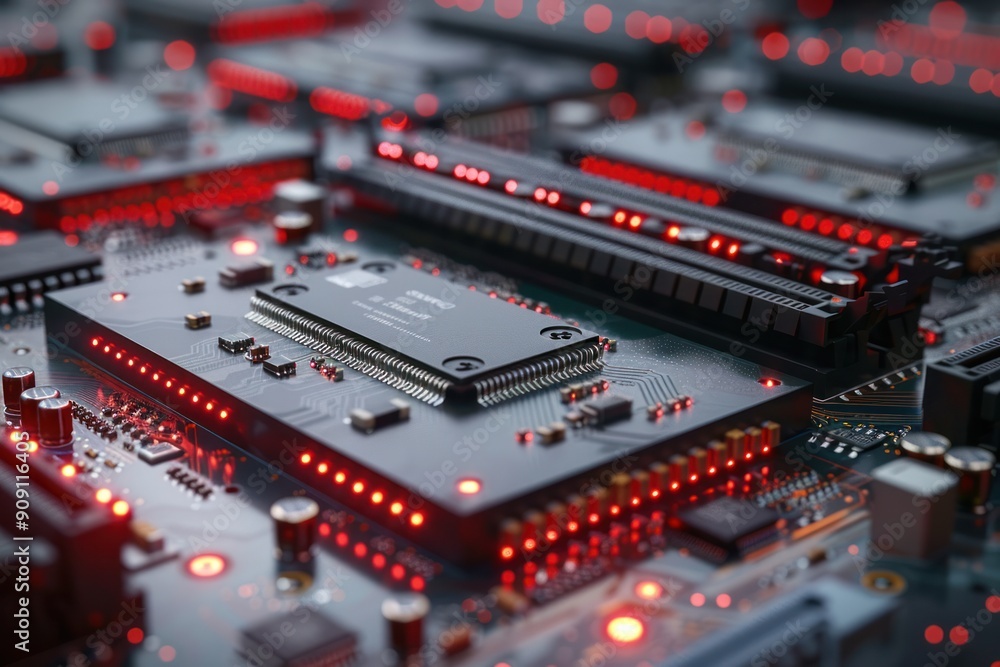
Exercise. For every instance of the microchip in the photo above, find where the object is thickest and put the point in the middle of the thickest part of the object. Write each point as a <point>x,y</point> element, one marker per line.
<point>731,525</point>
<point>433,339</point>
<point>373,418</point>
<point>236,343</point>
<point>280,367</point>
<point>862,437</point>
<point>158,452</point>
<point>41,262</point>
<point>258,271</point>
<point>301,637</point>
<point>607,410</point>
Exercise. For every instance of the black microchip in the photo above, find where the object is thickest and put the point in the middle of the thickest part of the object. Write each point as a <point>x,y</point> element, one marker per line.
<point>258,271</point>
<point>280,367</point>
<point>733,525</point>
<point>236,343</point>
<point>427,336</point>
<point>607,409</point>
<point>38,117</point>
<point>862,437</point>
<point>299,638</point>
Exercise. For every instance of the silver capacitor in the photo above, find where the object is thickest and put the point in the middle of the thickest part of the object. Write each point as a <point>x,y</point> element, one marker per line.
<point>15,381</point>
<point>926,446</point>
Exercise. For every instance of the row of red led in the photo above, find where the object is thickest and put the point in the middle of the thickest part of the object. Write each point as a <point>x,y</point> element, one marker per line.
<point>308,19</point>
<point>378,560</point>
<point>716,244</point>
<point>649,485</point>
<point>359,488</point>
<point>183,391</point>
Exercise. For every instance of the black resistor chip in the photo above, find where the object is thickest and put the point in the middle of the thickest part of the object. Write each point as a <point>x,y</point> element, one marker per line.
<point>280,367</point>
<point>258,271</point>
<point>607,410</point>
<point>371,419</point>
<point>236,343</point>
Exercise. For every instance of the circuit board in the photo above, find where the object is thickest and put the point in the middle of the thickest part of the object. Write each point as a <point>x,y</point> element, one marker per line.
<point>513,334</point>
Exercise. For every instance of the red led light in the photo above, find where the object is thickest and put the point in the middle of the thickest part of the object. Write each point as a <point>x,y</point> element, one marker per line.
<point>135,635</point>
<point>377,497</point>
<point>348,106</point>
<point>507,9</point>
<point>625,629</point>
<point>770,382</point>
<point>99,36</point>
<point>551,12</point>
<point>958,635</point>
<point>635,24</point>
<point>922,71</point>
<point>813,51</point>
<point>397,571</point>
<point>396,508</point>
<point>51,188</point>
<point>119,297</point>
<point>622,106</point>
<point>358,487</point>
<point>723,601</point>
<point>510,186</point>
<point>659,29</point>
<point>814,9</point>
<point>305,459</point>
<point>68,470</point>
<point>426,104</point>
<point>360,550</point>
<point>635,222</point>
<point>697,600</point>
<point>340,477</point>
<point>604,76</point>
<point>734,101</point>
<point>120,508</point>
<point>417,583</point>
<point>206,566</point>
<point>774,46</point>
<point>231,75</point>
<point>947,20</point>
<point>254,25</point>
<point>597,18</point>
<point>649,590</point>
<point>416,519</point>
<point>103,496</point>
<point>7,237</point>
<point>179,55</point>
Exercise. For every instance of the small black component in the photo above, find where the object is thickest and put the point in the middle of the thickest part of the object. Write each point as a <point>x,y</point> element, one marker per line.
<point>371,419</point>
<point>258,353</point>
<point>308,638</point>
<point>198,320</point>
<point>258,271</point>
<point>193,285</point>
<point>552,434</point>
<point>607,410</point>
<point>733,525</point>
<point>281,367</point>
<point>236,343</point>
<point>862,437</point>
<point>41,262</point>
<point>962,395</point>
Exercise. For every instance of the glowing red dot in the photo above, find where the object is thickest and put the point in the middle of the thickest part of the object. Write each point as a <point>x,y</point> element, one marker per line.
<point>350,235</point>
<point>922,70</point>
<point>958,635</point>
<point>774,46</point>
<point>551,12</point>
<point>167,653</point>
<point>947,19</point>
<point>508,9</point>
<point>50,188</point>
<point>622,106</point>
<point>723,601</point>
<point>604,76</point>
<point>981,80</point>
<point>993,604</point>
<point>635,24</point>
<point>933,634</point>
<point>872,63</point>
<point>659,29</point>
<point>7,237</point>
<point>813,51</point>
<point>697,600</point>
<point>99,36</point>
<point>426,104</point>
<point>135,636</point>
<point>625,629</point>
<point>119,508</point>
<point>814,9</point>
<point>597,18</point>
<point>734,101</point>
<point>244,247</point>
<point>179,55</point>
<point>469,487</point>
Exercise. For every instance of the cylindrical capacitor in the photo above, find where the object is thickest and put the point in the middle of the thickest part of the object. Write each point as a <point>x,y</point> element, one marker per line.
<point>55,422</point>
<point>292,226</point>
<point>840,282</point>
<point>295,521</point>
<point>15,381</point>
<point>926,446</point>
<point>405,613</point>
<point>30,398</point>
<point>974,467</point>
